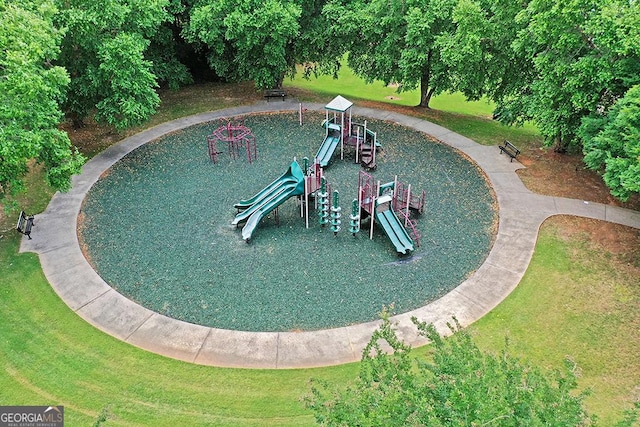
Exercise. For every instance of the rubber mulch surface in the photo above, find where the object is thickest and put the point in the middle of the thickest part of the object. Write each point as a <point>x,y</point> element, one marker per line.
<point>157,227</point>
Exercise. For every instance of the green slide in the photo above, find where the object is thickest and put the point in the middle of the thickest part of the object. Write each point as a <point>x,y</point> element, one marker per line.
<point>288,185</point>
<point>326,150</point>
<point>392,226</point>
<point>244,204</point>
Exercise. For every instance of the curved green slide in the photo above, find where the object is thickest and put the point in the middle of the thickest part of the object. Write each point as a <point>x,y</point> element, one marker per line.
<point>391,225</point>
<point>291,183</point>
<point>244,204</point>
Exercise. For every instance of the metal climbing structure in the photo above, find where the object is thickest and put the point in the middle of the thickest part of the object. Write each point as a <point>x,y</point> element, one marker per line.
<point>406,200</point>
<point>365,143</point>
<point>238,137</point>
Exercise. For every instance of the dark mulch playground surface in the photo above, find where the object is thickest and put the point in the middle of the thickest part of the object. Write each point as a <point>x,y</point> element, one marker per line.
<point>157,227</point>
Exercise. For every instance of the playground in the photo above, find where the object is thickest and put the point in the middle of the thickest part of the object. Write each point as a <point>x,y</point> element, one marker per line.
<point>187,260</point>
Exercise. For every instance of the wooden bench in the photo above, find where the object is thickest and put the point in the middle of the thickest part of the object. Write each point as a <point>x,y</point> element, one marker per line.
<point>275,93</point>
<point>509,149</point>
<point>25,222</point>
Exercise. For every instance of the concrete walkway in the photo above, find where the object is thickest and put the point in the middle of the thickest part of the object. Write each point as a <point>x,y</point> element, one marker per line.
<point>521,213</point>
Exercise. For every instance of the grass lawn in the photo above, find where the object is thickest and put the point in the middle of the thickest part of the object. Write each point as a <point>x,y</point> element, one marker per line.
<point>578,299</point>
<point>451,110</point>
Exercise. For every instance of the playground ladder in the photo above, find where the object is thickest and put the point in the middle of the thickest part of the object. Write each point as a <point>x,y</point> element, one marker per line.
<point>412,225</point>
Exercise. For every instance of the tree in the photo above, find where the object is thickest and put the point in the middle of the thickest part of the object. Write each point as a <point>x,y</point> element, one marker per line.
<point>551,62</point>
<point>582,63</point>
<point>247,39</point>
<point>612,145</point>
<point>104,52</point>
<point>164,51</point>
<point>31,89</point>
<point>395,41</point>
<point>480,59</point>
<point>460,386</point>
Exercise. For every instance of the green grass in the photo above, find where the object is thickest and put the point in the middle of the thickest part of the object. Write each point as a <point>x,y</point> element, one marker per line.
<point>575,300</point>
<point>452,110</point>
<point>351,86</point>
<point>50,355</point>
<point>579,302</point>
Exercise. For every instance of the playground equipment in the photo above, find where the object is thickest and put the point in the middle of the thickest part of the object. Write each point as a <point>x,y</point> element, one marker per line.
<point>378,201</point>
<point>335,129</point>
<point>405,200</point>
<point>354,218</point>
<point>335,214</point>
<point>237,136</point>
<point>340,130</point>
<point>252,210</point>
<point>323,203</point>
<point>366,145</point>
<point>391,225</point>
<point>328,147</point>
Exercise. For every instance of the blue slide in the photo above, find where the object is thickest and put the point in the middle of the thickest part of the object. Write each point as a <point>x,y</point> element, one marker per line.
<point>326,150</point>
<point>392,226</point>
<point>289,184</point>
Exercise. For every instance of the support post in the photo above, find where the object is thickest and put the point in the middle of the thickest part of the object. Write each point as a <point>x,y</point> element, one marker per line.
<point>375,141</point>
<point>373,209</point>
<point>408,204</point>
<point>358,146</point>
<point>342,136</point>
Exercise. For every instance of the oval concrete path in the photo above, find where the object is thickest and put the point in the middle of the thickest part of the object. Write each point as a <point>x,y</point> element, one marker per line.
<point>521,213</point>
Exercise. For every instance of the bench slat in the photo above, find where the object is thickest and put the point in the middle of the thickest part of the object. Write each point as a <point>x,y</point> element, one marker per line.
<point>275,93</point>
<point>510,149</point>
<point>25,223</point>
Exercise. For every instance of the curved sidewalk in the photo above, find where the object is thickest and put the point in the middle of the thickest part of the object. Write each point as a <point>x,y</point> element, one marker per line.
<point>521,213</point>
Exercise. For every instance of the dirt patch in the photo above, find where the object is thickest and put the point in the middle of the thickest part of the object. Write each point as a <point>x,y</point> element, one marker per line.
<point>565,175</point>
<point>620,241</point>
<point>91,138</point>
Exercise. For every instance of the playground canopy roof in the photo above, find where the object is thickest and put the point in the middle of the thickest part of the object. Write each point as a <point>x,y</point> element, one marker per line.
<point>339,104</point>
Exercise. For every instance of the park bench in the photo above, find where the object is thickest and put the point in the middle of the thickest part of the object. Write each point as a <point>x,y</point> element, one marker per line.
<point>510,150</point>
<point>275,93</point>
<point>25,222</point>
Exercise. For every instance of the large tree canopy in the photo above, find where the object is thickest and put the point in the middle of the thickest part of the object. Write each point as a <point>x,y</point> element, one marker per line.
<point>479,53</point>
<point>104,53</point>
<point>30,92</point>
<point>461,386</point>
<point>612,145</point>
<point>394,41</point>
<point>247,39</point>
<point>581,60</point>
<point>553,63</point>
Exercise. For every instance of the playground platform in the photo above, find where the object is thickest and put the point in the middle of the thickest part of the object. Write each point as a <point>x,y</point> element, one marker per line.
<point>521,213</point>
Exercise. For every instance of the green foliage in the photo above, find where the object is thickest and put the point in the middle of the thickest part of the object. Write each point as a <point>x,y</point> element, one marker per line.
<point>127,96</point>
<point>248,39</point>
<point>481,60</point>
<point>30,92</point>
<point>552,63</point>
<point>582,61</point>
<point>460,386</point>
<point>104,50</point>
<point>395,42</point>
<point>163,55</point>
<point>612,144</point>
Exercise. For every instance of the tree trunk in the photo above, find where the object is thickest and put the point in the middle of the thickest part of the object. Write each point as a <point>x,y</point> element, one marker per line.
<point>425,91</point>
<point>425,95</point>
